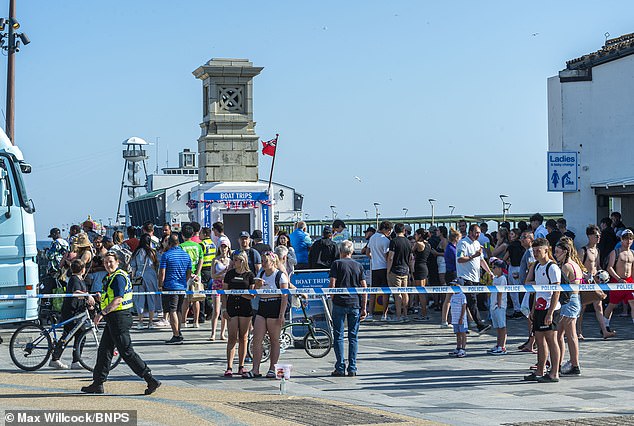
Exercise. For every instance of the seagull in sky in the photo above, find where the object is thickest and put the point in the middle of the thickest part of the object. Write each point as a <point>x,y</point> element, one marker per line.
<point>357,178</point>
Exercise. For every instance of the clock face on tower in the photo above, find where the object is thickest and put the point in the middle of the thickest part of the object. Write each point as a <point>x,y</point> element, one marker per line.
<point>231,99</point>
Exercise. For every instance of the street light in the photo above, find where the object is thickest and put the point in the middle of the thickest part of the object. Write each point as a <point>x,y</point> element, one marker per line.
<point>502,197</point>
<point>376,207</point>
<point>431,203</point>
<point>451,209</point>
<point>405,210</point>
<point>10,41</point>
<point>366,213</point>
<point>306,215</point>
<point>334,213</point>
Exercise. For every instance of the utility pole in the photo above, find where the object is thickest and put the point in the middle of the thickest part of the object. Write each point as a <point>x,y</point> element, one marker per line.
<point>10,74</point>
<point>12,47</point>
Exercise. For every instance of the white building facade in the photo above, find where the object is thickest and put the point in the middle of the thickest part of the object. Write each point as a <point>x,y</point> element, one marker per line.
<point>590,111</point>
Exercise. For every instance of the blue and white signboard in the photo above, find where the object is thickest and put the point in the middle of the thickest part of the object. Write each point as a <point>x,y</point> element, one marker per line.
<point>242,198</point>
<point>311,278</point>
<point>562,171</point>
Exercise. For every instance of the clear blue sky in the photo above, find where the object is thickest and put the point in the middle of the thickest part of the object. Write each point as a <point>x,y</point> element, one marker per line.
<point>443,100</point>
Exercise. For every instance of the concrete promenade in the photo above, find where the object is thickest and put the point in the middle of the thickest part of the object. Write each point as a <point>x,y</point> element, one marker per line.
<point>405,377</point>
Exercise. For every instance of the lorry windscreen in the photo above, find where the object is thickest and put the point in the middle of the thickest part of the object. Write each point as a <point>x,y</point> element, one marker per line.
<point>22,198</point>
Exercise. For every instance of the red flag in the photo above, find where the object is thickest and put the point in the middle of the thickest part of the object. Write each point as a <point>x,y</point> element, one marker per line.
<point>268,148</point>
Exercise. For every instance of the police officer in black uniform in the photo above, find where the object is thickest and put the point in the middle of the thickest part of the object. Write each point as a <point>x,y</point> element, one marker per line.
<point>116,301</point>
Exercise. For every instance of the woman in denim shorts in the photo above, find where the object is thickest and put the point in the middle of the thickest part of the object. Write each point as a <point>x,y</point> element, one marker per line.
<point>571,272</point>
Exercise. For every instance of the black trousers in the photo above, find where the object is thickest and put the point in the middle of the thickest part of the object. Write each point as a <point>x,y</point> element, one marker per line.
<point>117,334</point>
<point>472,302</point>
<point>59,347</point>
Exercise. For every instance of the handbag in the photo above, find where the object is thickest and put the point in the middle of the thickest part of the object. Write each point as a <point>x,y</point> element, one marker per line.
<point>194,284</point>
<point>137,280</point>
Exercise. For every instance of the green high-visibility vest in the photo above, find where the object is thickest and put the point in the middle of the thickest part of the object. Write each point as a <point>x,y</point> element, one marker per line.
<point>209,252</point>
<point>108,296</point>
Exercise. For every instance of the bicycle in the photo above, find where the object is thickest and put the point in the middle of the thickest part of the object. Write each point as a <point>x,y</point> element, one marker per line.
<point>317,342</point>
<point>32,345</point>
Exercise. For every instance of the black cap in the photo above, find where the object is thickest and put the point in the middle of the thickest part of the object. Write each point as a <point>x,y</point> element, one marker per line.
<point>54,232</point>
<point>244,234</point>
<point>337,223</point>
<point>370,229</point>
<point>327,230</point>
<point>256,235</point>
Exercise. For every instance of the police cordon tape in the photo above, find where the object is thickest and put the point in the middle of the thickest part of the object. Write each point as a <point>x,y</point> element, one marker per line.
<point>371,290</point>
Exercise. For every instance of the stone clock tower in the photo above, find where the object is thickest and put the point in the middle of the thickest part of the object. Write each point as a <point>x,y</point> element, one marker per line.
<point>228,146</point>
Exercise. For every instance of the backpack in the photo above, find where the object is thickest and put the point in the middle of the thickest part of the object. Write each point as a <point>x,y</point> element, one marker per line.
<point>325,253</point>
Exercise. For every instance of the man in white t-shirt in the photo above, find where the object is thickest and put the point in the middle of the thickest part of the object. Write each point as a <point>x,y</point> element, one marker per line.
<point>379,246</point>
<point>469,260</point>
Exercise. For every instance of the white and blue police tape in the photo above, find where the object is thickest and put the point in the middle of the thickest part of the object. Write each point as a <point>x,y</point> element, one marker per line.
<point>372,290</point>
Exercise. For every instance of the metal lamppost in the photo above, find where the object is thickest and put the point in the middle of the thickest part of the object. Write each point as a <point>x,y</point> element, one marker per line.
<point>502,197</point>
<point>431,203</point>
<point>405,210</point>
<point>12,46</point>
<point>306,215</point>
<point>376,207</point>
<point>334,213</point>
<point>451,209</point>
<point>366,213</point>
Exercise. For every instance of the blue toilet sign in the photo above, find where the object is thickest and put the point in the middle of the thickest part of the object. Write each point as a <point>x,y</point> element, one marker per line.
<point>562,171</point>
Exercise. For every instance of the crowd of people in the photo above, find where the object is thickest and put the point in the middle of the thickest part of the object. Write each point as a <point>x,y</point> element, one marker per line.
<point>198,258</point>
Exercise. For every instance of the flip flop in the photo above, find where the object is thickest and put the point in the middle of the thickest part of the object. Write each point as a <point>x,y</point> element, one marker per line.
<point>270,374</point>
<point>250,375</point>
<point>229,372</point>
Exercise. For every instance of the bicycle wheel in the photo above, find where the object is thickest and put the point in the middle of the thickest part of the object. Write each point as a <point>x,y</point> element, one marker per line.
<point>266,348</point>
<point>317,343</point>
<point>286,340</point>
<point>30,347</point>
<point>89,348</point>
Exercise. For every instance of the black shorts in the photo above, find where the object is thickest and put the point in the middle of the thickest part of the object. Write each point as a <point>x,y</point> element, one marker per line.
<point>538,321</point>
<point>205,277</point>
<point>449,277</point>
<point>270,308</point>
<point>172,302</point>
<point>239,307</point>
<point>379,278</point>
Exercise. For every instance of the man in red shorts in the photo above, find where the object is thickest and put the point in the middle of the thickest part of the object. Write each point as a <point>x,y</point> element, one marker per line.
<point>620,270</point>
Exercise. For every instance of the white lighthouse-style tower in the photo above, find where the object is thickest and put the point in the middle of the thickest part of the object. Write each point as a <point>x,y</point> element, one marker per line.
<point>135,155</point>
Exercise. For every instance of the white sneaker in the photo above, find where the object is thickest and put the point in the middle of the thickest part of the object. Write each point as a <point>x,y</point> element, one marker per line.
<point>140,326</point>
<point>150,326</point>
<point>499,351</point>
<point>76,366</point>
<point>369,318</point>
<point>493,349</point>
<point>58,365</point>
<point>444,324</point>
<point>461,353</point>
<point>565,369</point>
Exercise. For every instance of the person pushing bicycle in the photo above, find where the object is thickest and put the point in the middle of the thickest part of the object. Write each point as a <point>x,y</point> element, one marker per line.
<point>71,307</point>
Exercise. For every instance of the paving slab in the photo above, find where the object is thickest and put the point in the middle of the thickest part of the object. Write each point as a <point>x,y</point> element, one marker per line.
<point>404,373</point>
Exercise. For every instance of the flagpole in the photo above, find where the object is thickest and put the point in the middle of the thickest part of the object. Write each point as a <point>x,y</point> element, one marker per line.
<point>277,135</point>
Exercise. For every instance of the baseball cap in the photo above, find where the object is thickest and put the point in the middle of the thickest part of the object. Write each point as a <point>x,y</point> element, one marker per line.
<point>224,240</point>
<point>432,228</point>
<point>370,229</point>
<point>627,232</point>
<point>256,235</point>
<point>327,230</point>
<point>498,263</point>
<point>244,234</point>
<point>53,232</point>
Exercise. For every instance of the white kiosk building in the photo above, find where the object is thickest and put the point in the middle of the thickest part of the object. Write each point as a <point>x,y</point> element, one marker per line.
<point>590,110</point>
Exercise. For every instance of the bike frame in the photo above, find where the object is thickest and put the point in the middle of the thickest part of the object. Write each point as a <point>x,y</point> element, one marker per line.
<point>81,320</point>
